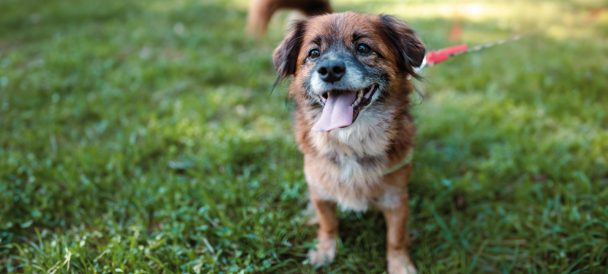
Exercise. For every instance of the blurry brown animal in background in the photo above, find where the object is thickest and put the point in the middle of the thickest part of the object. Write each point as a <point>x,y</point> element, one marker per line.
<point>353,124</point>
<point>261,11</point>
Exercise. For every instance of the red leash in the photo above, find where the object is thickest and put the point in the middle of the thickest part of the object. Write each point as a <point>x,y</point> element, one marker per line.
<point>438,56</point>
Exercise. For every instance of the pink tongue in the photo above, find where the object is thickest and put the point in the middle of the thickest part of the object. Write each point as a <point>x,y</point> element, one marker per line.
<point>337,111</point>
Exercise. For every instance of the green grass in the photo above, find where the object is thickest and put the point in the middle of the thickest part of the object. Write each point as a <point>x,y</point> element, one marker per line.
<point>142,137</point>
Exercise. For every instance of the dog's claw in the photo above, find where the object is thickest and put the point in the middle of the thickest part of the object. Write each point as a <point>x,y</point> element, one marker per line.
<point>398,265</point>
<point>323,254</point>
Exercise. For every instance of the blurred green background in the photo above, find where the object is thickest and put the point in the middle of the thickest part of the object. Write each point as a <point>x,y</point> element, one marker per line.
<point>142,137</point>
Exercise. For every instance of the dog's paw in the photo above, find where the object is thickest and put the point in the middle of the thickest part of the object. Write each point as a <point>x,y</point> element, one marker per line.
<point>400,265</point>
<point>323,254</point>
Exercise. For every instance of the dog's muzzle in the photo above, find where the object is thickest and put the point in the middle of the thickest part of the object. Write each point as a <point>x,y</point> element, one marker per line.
<point>341,107</point>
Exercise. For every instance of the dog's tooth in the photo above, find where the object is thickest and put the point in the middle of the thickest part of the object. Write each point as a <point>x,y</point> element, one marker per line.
<point>359,98</point>
<point>370,92</point>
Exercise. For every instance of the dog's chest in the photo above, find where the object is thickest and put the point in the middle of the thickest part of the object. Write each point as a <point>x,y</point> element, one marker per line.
<point>353,171</point>
<point>351,163</point>
<point>356,154</point>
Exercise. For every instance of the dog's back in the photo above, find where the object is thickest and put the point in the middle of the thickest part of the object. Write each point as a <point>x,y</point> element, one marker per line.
<point>261,11</point>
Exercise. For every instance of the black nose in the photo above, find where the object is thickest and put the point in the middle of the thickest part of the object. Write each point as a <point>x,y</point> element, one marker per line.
<point>332,70</point>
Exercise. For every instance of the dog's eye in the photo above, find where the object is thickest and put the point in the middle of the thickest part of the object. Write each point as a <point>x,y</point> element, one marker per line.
<point>363,49</point>
<point>314,53</point>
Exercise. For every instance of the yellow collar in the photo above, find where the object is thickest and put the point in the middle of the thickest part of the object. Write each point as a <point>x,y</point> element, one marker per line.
<point>406,160</point>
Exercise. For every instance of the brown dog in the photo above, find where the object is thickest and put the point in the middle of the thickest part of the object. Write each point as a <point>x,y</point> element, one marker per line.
<point>352,121</point>
<point>261,11</point>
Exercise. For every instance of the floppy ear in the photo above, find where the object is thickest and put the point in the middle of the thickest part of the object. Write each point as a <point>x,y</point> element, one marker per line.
<point>410,50</point>
<point>285,56</point>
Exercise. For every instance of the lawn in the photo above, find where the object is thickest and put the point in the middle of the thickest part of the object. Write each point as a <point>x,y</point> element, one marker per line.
<point>143,137</point>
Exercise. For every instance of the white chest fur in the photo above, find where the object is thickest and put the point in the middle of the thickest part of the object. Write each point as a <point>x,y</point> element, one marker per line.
<point>353,161</point>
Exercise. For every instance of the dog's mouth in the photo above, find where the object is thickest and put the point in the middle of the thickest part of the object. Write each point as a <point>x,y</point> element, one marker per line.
<point>341,107</point>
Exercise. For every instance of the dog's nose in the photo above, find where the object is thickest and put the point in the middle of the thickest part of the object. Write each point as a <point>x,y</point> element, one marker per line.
<point>332,70</point>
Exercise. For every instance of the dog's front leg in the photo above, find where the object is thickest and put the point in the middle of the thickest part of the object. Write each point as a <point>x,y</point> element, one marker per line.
<point>327,234</point>
<point>397,238</point>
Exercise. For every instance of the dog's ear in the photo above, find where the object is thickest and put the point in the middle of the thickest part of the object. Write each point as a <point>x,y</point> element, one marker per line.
<point>285,56</point>
<point>410,50</point>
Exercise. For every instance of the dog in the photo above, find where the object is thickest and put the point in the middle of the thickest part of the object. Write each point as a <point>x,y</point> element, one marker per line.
<point>261,11</point>
<point>351,85</point>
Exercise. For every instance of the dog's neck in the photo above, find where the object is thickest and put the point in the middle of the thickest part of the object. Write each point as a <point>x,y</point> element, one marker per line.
<point>367,137</point>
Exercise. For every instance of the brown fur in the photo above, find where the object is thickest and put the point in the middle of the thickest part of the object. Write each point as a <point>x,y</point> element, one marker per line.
<point>261,11</point>
<point>346,166</point>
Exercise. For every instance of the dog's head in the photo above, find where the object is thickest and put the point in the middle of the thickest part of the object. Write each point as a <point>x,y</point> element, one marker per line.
<point>344,63</point>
